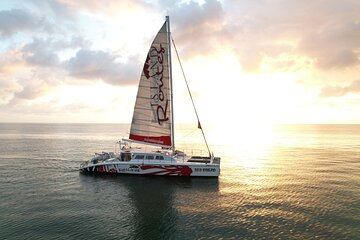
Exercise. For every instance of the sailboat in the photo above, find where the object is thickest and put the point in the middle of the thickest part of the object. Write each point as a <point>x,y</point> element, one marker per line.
<point>153,126</point>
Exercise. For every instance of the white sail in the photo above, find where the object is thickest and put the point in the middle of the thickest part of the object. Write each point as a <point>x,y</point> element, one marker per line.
<point>152,120</point>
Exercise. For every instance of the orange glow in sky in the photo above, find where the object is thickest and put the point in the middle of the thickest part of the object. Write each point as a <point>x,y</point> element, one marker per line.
<point>246,62</point>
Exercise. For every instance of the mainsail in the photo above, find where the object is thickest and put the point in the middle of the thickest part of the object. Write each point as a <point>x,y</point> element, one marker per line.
<point>152,118</point>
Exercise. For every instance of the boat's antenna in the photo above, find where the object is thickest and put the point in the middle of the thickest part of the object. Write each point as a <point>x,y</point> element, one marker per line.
<point>192,101</point>
<point>171,86</point>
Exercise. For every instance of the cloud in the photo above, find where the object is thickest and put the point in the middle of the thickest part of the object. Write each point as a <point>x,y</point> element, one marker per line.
<point>87,64</point>
<point>7,89</point>
<point>38,84</point>
<point>44,17</point>
<point>39,53</point>
<point>43,52</point>
<point>197,27</point>
<point>53,51</point>
<point>108,7</point>
<point>35,70</point>
<point>14,20</point>
<point>16,90</point>
<point>32,71</point>
<point>10,61</point>
<point>327,34</point>
<point>333,46</point>
<point>338,91</point>
<point>59,9</point>
<point>91,64</point>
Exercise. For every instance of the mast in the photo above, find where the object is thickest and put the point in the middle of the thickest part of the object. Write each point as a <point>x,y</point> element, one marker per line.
<point>171,84</point>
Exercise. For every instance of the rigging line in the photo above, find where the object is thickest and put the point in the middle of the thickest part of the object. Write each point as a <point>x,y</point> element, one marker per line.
<point>188,134</point>
<point>192,101</point>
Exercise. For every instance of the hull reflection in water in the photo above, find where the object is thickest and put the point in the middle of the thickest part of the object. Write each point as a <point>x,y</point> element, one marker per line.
<point>147,207</point>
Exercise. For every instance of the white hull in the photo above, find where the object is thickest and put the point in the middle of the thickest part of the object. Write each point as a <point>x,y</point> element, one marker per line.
<point>154,168</point>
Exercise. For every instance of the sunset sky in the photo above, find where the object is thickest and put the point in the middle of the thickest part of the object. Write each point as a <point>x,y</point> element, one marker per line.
<point>247,61</point>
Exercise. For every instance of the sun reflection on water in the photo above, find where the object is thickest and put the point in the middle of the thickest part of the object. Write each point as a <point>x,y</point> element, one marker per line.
<point>245,157</point>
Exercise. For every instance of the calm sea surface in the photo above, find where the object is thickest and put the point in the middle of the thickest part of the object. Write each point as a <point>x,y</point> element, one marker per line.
<point>284,182</point>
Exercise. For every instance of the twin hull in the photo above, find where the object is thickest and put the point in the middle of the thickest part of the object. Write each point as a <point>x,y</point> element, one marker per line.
<point>161,169</point>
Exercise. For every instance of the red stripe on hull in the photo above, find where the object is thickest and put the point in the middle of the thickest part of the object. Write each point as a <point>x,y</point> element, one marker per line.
<point>162,140</point>
<point>169,170</point>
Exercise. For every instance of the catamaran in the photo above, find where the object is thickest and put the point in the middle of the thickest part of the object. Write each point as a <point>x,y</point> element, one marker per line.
<point>153,126</point>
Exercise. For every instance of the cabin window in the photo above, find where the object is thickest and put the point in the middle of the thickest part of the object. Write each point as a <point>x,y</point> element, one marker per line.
<point>159,158</point>
<point>125,156</point>
<point>139,157</point>
<point>149,157</point>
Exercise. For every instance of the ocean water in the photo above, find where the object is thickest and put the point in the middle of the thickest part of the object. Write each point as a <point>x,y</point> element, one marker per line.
<point>282,182</point>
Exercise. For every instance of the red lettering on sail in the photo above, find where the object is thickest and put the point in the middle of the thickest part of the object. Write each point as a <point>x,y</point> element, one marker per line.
<point>161,113</point>
<point>154,71</point>
<point>146,67</point>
